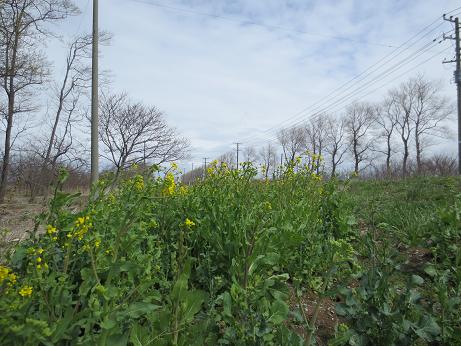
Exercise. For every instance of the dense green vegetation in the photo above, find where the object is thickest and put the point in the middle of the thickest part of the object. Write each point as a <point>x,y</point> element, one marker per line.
<point>150,262</point>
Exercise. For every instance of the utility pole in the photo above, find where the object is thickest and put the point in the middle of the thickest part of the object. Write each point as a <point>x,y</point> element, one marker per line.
<point>237,144</point>
<point>204,171</point>
<point>457,75</point>
<point>94,98</point>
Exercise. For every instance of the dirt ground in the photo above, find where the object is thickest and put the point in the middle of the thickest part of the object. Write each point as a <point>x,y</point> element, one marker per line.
<point>326,319</point>
<point>17,216</point>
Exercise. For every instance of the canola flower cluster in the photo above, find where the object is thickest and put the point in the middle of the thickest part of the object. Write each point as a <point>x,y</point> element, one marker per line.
<point>138,183</point>
<point>51,231</point>
<point>38,254</point>
<point>25,291</point>
<point>7,275</point>
<point>170,185</point>
<point>82,225</point>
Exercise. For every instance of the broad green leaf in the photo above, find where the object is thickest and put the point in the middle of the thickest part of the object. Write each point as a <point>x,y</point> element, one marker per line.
<point>417,280</point>
<point>138,309</point>
<point>279,312</point>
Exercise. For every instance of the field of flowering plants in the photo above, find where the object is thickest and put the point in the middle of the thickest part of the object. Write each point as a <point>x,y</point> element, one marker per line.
<point>238,261</point>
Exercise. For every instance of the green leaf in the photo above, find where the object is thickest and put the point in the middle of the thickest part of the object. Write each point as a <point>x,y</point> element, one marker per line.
<point>428,329</point>
<point>430,270</point>
<point>417,280</point>
<point>227,304</point>
<point>341,309</point>
<point>108,324</point>
<point>279,312</point>
<point>191,304</point>
<point>139,309</point>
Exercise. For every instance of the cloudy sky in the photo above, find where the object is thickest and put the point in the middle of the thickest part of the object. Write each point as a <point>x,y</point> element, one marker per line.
<point>226,71</point>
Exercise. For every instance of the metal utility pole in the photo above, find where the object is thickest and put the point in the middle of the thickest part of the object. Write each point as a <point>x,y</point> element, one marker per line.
<point>457,75</point>
<point>94,98</point>
<point>237,144</point>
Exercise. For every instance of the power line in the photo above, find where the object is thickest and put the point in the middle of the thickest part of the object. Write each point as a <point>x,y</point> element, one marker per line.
<point>380,63</point>
<point>401,63</point>
<point>274,139</point>
<point>251,22</point>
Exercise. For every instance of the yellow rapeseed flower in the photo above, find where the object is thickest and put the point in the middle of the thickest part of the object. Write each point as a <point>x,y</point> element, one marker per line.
<point>4,272</point>
<point>189,223</point>
<point>169,184</point>
<point>50,229</point>
<point>25,291</point>
<point>39,260</point>
<point>97,243</point>
<point>138,183</point>
<point>12,278</point>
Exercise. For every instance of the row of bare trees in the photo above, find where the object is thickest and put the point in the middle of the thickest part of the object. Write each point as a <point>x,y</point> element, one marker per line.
<point>44,114</point>
<point>409,120</point>
<point>386,138</point>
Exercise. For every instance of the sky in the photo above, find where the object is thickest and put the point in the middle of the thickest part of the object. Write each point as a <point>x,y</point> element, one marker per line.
<point>235,71</point>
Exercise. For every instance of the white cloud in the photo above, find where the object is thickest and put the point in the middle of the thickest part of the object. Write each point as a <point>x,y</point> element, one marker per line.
<point>219,80</point>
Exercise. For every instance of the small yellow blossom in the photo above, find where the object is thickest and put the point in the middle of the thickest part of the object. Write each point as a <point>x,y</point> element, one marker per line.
<point>138,183</point>
<point>40,251</point>
<point>189,223</point>
<point>39,260</point>
<point>25,291</point>
<point>4,272</point>
<point>174,166</point>
<point>39,266</point>
<point>169,184</point>
<point>97,243</point>
<point>12,278</point>
<point>54,238</point>
<point>82,226</point>
<point>50,229</point>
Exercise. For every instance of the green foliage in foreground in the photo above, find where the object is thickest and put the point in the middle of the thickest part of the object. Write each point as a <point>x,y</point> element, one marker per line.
<point>154,263</point>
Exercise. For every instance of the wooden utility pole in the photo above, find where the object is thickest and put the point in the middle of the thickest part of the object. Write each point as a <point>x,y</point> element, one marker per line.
<point>94,98</point>
<point>457,75</point>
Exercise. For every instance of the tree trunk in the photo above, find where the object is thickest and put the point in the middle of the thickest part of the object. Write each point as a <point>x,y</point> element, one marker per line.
<point>405,158</point>
<point>356,158</point>
<point>388,157</point>
<point>6,154</point>
<point>418,152</point>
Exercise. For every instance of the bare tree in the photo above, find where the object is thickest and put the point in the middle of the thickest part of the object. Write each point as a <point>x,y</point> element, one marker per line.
<point>22,30</point>
<point>268,157</point>
<point>337,146</point>
<point>386,122</point>
<point>249,154</point>
<point>133,133</point>
<point>405,99</point>
<point>429,111</point>
<point>229,158</point>
<point>293,141</point>
<point>316,133</point>
<point>67,95</point>
<point>358,124</point>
